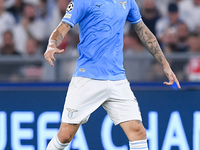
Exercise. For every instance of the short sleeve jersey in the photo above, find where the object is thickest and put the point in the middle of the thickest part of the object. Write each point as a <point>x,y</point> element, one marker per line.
<point>101,24</point>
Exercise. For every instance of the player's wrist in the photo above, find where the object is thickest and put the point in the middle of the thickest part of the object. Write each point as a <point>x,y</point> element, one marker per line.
<point>166,65</point>
<point>52,43</point>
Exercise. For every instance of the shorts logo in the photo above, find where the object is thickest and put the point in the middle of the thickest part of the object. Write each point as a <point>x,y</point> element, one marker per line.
<point>123,4</point>
<point>70,7</point>
<point>71,111</point>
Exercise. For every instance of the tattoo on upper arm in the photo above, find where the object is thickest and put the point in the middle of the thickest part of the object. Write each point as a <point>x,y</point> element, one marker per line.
<point>149,40</point>
<point>59,33</point>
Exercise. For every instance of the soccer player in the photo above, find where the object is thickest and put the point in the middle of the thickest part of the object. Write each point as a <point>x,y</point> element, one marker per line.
<point>99,78</point>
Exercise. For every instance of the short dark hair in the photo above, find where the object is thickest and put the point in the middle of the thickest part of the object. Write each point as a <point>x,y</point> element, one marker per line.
<point>172,7</point>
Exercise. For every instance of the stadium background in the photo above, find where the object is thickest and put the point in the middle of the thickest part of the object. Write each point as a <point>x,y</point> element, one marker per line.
<point>32,92</point>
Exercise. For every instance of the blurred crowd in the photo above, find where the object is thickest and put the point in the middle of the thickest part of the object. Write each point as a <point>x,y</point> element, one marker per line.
<point>176,24</point>
<point>25,26</point>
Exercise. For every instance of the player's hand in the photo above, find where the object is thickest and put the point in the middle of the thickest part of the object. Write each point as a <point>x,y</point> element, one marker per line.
<point>49,54</point>
<point>172,77</point>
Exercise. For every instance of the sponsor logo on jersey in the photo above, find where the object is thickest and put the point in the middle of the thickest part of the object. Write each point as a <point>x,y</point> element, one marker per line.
<point>70,7</point>
<point>82,70</point>
<point>123,4</point>
<point>70,112</point>
<point>67,15</point>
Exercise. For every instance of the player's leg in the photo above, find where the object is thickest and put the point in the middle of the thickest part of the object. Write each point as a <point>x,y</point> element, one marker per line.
<point>64,136</point>
<point>123,109</point>
<point>136,134</point>
<point>83,97</point>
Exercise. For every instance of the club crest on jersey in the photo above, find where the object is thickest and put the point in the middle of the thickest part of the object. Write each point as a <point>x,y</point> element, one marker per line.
<point>70,112</point>
<point>123,4</point>
<point>70,7</point>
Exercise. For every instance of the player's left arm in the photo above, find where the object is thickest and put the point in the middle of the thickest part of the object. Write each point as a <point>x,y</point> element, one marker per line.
<point>151,43</point>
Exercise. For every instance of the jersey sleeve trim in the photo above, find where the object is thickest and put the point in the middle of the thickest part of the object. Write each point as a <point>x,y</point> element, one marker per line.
<point>68,22</point>
<point>135,22</point>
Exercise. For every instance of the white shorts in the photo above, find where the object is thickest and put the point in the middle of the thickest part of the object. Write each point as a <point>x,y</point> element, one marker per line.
<point>85,95</point>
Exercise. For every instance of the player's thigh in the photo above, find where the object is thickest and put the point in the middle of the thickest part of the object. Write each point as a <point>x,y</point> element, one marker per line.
<point>122,105</point>
<point>83,97</point>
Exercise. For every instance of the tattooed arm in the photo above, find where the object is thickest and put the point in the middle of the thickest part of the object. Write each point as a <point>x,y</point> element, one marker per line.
<point>55,40</point>
<point>151,43</point>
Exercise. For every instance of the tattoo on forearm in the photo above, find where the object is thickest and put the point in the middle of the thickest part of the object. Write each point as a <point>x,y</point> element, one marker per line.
<point>58,36</point>
<point>149,40</point>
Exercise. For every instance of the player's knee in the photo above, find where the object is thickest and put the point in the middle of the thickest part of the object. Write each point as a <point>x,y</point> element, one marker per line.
<point>138,131</point>
<point>141,132</point>
<point>64,136</point>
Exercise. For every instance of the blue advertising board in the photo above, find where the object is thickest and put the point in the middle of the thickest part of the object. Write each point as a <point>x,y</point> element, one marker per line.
<point>30,117</point>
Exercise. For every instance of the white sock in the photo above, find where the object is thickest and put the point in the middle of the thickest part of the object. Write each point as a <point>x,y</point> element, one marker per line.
<point>55,144</point>
<point>138,145</point>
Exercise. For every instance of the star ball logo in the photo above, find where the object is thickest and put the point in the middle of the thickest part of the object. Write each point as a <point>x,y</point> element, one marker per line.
<point>70,7</point>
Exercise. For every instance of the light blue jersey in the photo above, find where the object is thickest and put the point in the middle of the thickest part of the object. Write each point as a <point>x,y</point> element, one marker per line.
<point>101,24</point>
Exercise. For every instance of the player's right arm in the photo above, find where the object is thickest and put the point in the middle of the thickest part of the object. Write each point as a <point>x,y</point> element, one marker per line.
<point>55,40</point>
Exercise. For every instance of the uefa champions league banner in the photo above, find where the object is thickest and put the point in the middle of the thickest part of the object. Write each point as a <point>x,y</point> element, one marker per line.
<point>30,118</point>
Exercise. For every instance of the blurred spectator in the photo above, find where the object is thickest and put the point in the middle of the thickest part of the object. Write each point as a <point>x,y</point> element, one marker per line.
<point>150,14</point>
<point>8,47</point>
<point>7,21</point>
<point>32,48</point>
<point>182,35</point>
<point>193,67</point>
<point>170,40</point>
<point>49,13</point>
<point>30,71</point>
<point>162,6</point>
<point>30,25</point>
<point>16,8</point>
<point>190,12</point>
<point>167,22</point>
<point>58,12</point>
<point>194,43</point>
<point>7,71</point>
<point>173,44</point>
<point>176,40</point>
<point>156,73</point>
<point>137,68</point>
